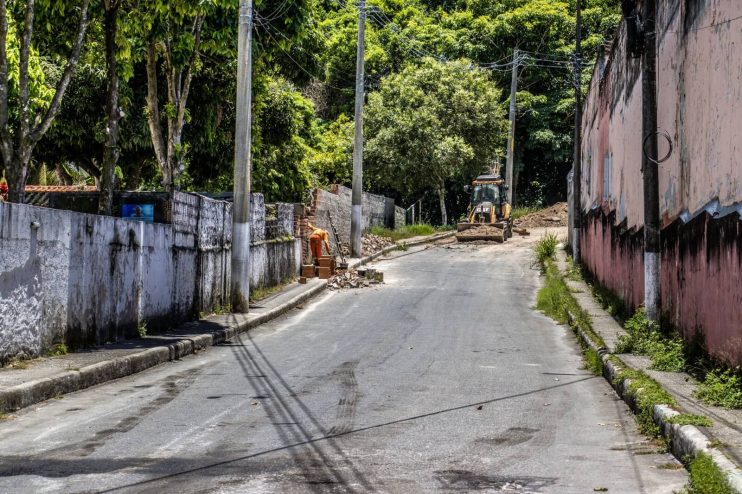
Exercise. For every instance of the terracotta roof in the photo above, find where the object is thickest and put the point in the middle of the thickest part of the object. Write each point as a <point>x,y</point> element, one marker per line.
<point>61,188</point>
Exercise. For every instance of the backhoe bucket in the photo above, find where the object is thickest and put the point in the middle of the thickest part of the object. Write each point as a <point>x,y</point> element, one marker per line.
<point>470,232</point>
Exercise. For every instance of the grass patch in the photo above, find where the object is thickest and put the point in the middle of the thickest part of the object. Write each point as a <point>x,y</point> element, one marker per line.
<point>142,329</point>
<point>556,301</point>
<point>691,419</point>
<point>521,211</point>
<point>646,393</point>
<point>644,338</point>
<point>408,231</point>
<point>722,388</point>
<point>706,478</point>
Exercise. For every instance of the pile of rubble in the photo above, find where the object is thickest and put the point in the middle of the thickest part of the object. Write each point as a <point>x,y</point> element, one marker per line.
<point>353,278</point>
<point>370,244</point>
<point>555,215</point>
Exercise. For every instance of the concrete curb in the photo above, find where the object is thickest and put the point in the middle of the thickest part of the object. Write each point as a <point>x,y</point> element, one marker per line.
<point>685,440</point>
<point>24,395</point>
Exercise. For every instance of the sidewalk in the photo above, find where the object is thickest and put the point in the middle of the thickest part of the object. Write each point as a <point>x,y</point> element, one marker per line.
<point>722,441</point>
<point>46,378</point>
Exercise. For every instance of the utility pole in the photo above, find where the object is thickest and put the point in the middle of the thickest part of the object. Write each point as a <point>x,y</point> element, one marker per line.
<point>510,160</point>
<point>652,297</point>
<point>356,223</point>
<point>240,285</point>
<point>577,166</point>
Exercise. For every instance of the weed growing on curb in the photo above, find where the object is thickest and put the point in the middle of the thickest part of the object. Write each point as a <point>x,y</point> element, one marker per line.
<point>691,419</point>
<point>403,247</point>
<point>545,248</point>
<point>142,329</point>
<point>705,477</point>
<point>593,362</point>
<point>645,392</point>
<point>722,388</point>
<point>58,350</point>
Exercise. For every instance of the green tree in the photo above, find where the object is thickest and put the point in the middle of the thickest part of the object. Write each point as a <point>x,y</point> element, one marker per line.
<point>28,106</point>
<point>430,124</point>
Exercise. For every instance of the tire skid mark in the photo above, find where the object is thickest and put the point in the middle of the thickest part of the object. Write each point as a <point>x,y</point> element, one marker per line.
<point>348,402</point>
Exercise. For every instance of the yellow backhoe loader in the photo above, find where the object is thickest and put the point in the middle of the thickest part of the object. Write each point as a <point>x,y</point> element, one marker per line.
<point>488,217</point>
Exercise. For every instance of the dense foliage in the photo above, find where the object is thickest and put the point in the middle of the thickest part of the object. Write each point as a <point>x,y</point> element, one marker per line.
<point>438,80</point>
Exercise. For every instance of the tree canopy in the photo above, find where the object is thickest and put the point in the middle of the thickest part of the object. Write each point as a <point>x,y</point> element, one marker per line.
<point>438,75</point>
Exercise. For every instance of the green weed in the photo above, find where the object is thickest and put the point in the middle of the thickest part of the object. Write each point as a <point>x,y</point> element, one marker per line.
<point>58,350</point>
<point>593,362</point>
<point>722,388</point>
<point>142,329</point>
<point>706,478</point>
<point>546,248</point>
<point>691,419</point>
<point>646,393</point>
<point>644,338</point>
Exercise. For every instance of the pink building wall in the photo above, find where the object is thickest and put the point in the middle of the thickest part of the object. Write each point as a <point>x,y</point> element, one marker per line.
<point>700,107</point>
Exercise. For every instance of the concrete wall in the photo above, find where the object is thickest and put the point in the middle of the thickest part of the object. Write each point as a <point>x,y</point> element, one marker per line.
<point>86,280</point>
<point>699,106</point>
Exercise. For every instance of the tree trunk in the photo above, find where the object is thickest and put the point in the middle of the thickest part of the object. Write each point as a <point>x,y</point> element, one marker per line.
<point>17,175</point>
<point>153,113</point>
<point>442,199</point>
<point>110,150</point>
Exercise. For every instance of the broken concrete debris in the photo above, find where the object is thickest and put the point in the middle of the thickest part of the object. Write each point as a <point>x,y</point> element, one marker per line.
<point>355,278</point>
<point>370,244</point>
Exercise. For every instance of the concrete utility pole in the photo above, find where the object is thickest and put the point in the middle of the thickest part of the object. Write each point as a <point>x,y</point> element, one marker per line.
<point>652,297</point>
<point>510,160</point>
<point>356,220</point>
<point>240,285</point>
<point>577,166</point>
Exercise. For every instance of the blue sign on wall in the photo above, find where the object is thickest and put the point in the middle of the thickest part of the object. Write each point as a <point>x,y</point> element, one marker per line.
<point>139,212</point>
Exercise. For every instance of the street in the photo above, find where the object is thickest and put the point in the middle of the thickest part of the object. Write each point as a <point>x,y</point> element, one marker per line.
<point>442,379</point>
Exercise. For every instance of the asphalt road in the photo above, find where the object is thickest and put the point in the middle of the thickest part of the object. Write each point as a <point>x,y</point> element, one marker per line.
<point>443,379</point>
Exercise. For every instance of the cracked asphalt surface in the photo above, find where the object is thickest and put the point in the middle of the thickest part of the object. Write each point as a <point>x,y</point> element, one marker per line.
<point>444,379</point>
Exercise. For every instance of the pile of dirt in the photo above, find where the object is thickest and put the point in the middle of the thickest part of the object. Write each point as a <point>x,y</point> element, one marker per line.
<point>555,215</point>
<point>350,279</point>
<point>370,244</point>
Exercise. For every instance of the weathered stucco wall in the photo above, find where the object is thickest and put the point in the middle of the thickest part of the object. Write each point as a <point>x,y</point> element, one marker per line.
<point>700,107</point>
<point>86,279</point>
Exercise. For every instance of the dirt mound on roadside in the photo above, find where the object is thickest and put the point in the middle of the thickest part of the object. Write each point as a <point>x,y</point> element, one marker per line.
<point>555,215</point>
